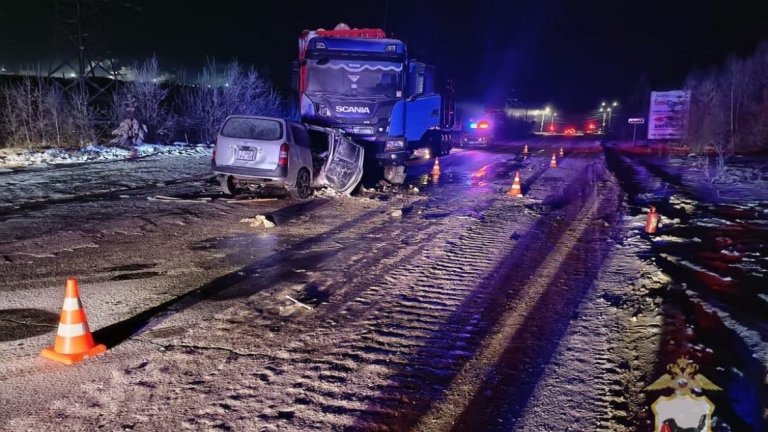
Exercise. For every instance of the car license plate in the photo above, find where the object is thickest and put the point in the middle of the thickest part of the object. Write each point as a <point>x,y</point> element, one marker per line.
<point>245,154</point>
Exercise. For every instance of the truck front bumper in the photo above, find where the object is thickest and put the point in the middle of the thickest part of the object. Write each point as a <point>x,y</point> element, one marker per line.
<point>393,157</point>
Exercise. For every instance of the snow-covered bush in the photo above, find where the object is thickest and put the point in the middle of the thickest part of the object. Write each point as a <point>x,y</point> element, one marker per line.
<point>129,133</point>
<point>145,98</point>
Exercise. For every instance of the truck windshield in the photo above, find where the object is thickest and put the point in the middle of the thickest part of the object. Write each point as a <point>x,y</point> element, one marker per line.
<point>349,78</point>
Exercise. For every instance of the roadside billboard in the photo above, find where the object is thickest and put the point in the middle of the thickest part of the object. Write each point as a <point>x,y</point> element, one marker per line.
<point>668,114</point>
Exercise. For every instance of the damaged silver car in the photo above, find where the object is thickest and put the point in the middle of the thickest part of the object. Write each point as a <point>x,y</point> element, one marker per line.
<point>254,153</point>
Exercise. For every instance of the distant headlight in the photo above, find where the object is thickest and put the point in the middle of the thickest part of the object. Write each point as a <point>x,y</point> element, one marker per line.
<point>394,144</point>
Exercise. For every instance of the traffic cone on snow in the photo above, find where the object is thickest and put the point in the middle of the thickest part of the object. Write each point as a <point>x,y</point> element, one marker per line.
<point>516,190</point>
<point>553,162</point>
<point>436,167</point>
<point>525,150</point>
<point>651,221</point>
<point>561,152</point>
<point>74,341</point>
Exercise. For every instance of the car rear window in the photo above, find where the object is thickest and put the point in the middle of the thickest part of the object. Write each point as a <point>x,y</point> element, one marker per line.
<point>253,128</point>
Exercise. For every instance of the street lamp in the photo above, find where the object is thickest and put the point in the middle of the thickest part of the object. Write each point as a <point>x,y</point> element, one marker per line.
<point>552,121</point>
<point>543,114</point>
<point>610,112</point>
<point>602,110</point>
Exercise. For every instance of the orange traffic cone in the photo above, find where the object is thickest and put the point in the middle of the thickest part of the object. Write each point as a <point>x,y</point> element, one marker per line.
<point>561,152</point>
<point>651,221</point>
<point>525,150</point>
<point>74,341</point>
<point>516,190</point>
<point>553,162</point>
<point>436,167</point>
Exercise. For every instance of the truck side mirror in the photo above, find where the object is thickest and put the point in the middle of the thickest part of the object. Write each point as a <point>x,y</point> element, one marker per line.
<point>416,78</point>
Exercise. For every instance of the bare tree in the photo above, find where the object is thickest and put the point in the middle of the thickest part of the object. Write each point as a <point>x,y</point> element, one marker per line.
<point>53,114</point>
<point>708,124</point>
<point>83,118</point>
<point>38,112</point>
<point>234,91</point>
<point>754,134</point>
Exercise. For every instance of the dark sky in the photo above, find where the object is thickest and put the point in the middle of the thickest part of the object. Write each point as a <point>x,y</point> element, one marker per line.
<point>572,54</point>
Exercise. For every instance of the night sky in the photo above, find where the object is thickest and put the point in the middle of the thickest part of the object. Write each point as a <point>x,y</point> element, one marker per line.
<point>572,54</point>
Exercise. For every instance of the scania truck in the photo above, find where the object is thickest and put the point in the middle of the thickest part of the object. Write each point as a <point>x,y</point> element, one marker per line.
<point>365,84</point>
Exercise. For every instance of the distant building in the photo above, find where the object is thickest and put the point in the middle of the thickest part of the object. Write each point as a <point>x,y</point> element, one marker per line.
<point>525,114</point>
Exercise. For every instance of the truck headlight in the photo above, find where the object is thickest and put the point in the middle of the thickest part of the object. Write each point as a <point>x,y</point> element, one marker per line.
<point>394,144</point>
<point>323,110</point>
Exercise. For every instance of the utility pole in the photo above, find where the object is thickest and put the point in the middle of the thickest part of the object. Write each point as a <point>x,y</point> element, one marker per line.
<point>73,20</point>
<point>386,14</point>
<point>543,114</point>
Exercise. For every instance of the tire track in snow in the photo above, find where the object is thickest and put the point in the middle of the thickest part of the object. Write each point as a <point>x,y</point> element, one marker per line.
<point>436,285</point>
<point>466,385</point>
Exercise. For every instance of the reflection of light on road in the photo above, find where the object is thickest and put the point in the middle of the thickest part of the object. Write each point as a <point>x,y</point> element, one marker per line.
<point>478,177</point>
<point>481,173</point>
<point>249,247</point>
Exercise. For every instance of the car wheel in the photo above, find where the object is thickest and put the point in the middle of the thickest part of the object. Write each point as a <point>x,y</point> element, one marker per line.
<point>228,185</point>
<point>303,188</point>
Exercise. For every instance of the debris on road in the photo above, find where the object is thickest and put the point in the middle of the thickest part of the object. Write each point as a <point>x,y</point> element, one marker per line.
<point>285,311</point>
<point>248,201</point>
<point>298,303</point>
<point>260,220</point>
<point>327,192</point>
<point>181,200</point>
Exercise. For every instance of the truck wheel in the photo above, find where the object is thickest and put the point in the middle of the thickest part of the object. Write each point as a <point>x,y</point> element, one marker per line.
<point>436,149</point>
<point>227,184</point>
<point>394,174</point>
<point>302,189</point>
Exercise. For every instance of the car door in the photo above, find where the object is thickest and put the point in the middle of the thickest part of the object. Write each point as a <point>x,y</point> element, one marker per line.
<point>343,168</point>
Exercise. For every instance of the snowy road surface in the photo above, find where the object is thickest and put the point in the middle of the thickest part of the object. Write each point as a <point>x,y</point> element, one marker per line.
<point>446,305</point>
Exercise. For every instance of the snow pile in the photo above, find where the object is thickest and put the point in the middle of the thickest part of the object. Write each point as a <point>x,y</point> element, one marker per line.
<point>19,158</point>
<point>674,239</point>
